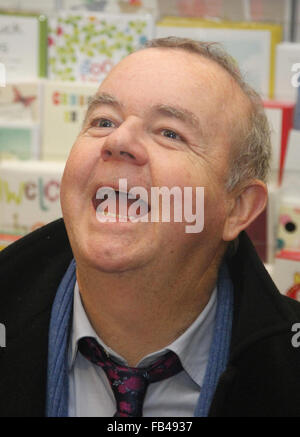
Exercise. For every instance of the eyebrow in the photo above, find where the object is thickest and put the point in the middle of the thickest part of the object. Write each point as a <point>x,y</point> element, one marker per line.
<point>176,112</point>
<point>102,99</point>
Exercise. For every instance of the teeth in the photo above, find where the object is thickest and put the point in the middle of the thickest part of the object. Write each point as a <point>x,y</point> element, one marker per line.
<point>111,214</point>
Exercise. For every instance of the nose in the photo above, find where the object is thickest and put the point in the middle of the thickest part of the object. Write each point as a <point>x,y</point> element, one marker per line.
<point>126,143</point>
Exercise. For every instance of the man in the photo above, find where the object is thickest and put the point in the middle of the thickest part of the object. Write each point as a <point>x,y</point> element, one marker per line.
<point>175,114</point>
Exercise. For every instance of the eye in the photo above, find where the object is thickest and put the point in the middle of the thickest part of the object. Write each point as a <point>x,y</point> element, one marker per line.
<point>168,133</point>
<point>102,122</point>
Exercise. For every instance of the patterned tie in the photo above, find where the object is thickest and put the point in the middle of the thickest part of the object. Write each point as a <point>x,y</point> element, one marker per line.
<point>129,384</point>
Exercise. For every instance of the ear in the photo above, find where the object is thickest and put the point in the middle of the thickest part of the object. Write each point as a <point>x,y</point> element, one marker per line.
<point>245,205</point>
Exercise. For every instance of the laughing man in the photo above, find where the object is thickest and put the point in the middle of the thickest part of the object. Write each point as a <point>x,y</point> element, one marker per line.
<point>127,317</point>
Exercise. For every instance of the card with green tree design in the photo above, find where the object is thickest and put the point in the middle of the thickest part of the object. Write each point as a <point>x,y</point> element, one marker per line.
<point>85,46</point>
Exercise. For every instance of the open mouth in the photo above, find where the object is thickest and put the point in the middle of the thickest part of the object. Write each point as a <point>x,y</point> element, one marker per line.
<point>120,206</point>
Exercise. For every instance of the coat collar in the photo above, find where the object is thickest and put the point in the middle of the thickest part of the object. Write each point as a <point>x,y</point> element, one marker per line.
<point>259,308</point>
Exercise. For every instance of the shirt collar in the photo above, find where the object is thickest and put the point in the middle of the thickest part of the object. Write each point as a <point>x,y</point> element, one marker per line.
<point>192,347</point>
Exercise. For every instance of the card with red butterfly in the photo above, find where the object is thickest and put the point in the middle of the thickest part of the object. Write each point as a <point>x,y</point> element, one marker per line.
<point>20,101</point>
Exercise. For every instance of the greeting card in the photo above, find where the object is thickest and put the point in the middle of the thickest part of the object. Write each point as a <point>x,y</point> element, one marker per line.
<point>19,140</point>
<point>29,195</point>
<point>288,236</point>
<point>23,45</point>
<point>252,45</point>
<point>286,273</point>
<point>20,101</point>
<point>85,46</point>
<point>64,108</point>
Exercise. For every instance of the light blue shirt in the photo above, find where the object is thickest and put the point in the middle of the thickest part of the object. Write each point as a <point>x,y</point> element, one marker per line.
<point>90,394</point>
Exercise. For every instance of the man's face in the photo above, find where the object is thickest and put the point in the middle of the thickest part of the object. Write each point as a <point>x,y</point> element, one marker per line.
<point>160,121</point>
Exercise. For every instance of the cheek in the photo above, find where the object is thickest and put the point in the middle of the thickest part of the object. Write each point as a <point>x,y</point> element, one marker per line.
<point>76,177</point>
<point>215,209</point>
<point>80,165</point>
<point>212,209</point>
<point>175,169</point>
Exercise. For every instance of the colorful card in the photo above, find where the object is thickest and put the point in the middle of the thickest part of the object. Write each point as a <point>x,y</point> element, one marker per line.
<point>252,45</point>
<point>20,101</point>
<point>65,105</point>
<point>29,195</point>
<point>85,46</point>
<point>23,46</point>
<point>288,235</point>
<point>286,273</point>
<point>19,140</point>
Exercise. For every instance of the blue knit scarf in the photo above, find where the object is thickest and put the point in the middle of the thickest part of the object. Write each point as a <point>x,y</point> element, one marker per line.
<point>60,323</point>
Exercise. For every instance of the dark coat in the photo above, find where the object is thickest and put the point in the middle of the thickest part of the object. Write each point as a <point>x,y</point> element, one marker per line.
<point>263,374</point>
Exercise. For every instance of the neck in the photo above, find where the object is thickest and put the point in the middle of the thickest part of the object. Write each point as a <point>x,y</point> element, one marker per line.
<point>137,313</point>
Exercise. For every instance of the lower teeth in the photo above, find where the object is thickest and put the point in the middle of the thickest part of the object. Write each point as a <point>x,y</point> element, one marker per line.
<point>110,214</point>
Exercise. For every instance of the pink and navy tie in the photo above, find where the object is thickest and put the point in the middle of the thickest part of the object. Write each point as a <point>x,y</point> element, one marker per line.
<point>129,384</point>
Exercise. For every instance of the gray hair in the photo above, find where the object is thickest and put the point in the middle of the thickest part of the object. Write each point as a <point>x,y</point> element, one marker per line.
<point>252,141</point>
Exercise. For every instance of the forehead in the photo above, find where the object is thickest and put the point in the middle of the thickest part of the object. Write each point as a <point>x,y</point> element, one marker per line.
<point>171,74</point>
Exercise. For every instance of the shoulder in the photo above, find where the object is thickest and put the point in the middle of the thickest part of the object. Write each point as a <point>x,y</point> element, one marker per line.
<point>41,244</point>
<point>32,268</point>
<point>254,284</point>
<point>30,272</point>
<point>261,378</point>
<point>261,313</point>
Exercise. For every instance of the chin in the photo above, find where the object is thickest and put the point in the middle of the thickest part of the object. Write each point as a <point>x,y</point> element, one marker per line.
<point>111,259</point>
<point>116,265</point>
